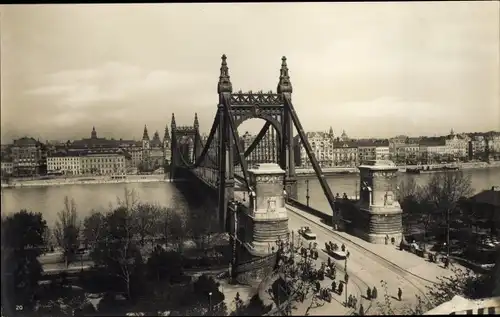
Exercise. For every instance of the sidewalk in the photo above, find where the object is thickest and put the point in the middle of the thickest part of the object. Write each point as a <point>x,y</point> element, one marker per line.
<point>369,270</point>
<point>421,268</point>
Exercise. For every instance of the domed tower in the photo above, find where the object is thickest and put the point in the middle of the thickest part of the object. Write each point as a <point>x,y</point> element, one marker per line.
<point>93,134</point>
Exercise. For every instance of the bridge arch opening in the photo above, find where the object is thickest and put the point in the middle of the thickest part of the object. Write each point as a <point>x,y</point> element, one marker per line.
<point>261,146</point>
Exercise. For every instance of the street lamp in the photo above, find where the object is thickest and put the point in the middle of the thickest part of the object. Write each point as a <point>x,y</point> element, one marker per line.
<point>307,192</point>
<point>346,278</point>
<point>209,301</point>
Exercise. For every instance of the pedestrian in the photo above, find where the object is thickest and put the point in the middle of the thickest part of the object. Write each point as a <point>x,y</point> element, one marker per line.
<point>386,239</point>
<point>355,302</point>
<point>347,255</point>
<point>334,286</point>
<point>368,293</point>
<point>400,293</point>
<point>343,247</point>
<point>361,310</point>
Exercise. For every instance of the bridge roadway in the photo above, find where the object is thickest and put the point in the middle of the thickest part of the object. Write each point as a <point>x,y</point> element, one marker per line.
<point>365,267</point>
<point>368,263</point>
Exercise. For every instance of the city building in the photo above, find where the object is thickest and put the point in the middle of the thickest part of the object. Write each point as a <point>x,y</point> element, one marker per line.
<point>432,150</point>
<point>457,146</point>
<point>345,153</point>
<point>477,148</point>
<point>405,153</point>
<point>369,150</point>
<point>101,163</point>
<point>7,166</point>
<point>146,154</point>
<point>322,147</point>
<point>28,157</point>
<point>266,151</point>
<point>485,206</point>
<point>64,163</point>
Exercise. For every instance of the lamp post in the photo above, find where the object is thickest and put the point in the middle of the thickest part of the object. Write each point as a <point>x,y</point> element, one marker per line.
<point>209,301</point>
<point>346,278</point>
<point>307,192</point>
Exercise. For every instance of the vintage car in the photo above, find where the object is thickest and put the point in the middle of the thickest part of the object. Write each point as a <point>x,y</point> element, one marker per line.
<point>307,233</point>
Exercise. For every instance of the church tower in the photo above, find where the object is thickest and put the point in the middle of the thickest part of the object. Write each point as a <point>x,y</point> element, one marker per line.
<point>145,139</point>
<point>167,151</point>
<point>330,133</point>
<point>93,135</point>
<point>145,145</point>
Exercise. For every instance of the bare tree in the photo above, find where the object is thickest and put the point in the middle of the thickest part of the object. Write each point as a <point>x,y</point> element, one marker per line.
<point>130,199</point>
<point>48,237</point>
<point>116,248</point>
<point>442,195</point>
<point>407,188</point>
<point>67,230</point>
<point>93,228</point>
<point>201,223</point>
<point>178,229</point>
<point>145,217</point>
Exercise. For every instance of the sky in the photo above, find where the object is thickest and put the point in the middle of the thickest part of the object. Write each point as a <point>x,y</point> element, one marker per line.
<point>375,69</point>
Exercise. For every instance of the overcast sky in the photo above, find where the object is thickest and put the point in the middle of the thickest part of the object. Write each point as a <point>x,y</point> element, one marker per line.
<point>374,69</point>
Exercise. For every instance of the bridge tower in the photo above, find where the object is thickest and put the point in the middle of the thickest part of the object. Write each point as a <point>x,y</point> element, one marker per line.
<point>379,213</point>
<point>223,150</point>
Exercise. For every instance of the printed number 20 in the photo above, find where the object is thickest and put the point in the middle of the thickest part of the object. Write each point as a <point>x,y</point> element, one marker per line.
<point>19,307</point>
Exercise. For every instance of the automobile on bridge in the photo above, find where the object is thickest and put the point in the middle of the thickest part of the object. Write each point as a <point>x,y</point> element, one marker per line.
<point>307,233</point>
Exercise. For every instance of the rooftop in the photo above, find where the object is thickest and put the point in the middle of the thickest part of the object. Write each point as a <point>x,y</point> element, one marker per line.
<point>489,197</point>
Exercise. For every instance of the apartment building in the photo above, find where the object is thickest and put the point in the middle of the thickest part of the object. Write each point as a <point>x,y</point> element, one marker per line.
<point>373,150</point>
<point>27,157</point>
<point>7,166</point>
<point>345,153</point>
<point>112,163</point>
<point>65,163</point>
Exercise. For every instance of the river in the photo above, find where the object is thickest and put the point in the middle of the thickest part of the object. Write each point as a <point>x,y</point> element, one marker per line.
<point>49,200</point>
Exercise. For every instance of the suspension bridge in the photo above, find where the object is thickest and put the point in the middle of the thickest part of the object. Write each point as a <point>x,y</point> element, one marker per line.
<point>219,163</point>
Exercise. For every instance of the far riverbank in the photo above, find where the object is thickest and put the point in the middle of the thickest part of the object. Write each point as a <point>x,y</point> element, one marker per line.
<point>88,180</point>
<point>305,172</point>
<point>126,179</point>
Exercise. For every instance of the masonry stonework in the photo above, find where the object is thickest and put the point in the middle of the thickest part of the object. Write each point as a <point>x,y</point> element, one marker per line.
<point>267,209</point>
<point>377,202</point>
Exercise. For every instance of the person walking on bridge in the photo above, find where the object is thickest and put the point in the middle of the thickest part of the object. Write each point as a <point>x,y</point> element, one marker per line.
<point>400,293</point>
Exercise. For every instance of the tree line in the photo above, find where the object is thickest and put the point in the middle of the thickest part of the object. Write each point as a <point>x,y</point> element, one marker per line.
<point>438,206</point>
<point>129,244</point>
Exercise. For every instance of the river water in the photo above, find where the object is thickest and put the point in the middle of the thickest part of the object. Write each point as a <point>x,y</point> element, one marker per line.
<point>49,200</point>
